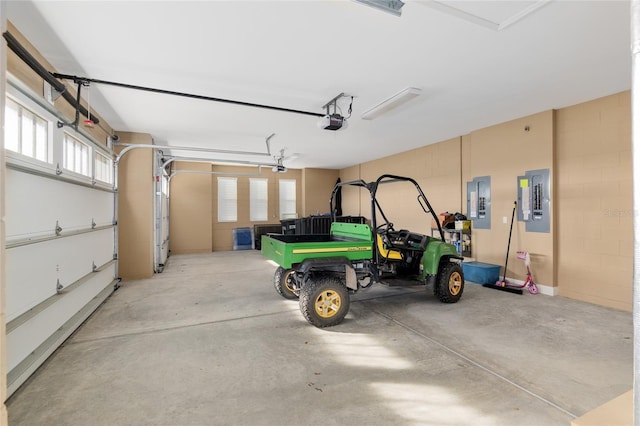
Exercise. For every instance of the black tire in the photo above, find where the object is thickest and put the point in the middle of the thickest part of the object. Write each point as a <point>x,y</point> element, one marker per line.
<point>450,283</point>
<point>283,282</point>
<point>324,301</point>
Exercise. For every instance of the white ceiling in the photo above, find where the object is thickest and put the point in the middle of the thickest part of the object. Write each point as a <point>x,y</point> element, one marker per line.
<point>478,63</point>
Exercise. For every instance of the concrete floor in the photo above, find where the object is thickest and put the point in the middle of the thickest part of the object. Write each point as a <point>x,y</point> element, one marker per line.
<point>209,341</point>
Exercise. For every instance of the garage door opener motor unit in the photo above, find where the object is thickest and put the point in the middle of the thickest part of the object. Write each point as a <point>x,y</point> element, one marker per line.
<point>334,120</point>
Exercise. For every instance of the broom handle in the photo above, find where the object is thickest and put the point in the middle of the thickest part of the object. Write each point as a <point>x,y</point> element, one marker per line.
<point>506,261</point>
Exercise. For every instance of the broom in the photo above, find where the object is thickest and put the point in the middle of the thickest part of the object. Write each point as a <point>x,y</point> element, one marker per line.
<point>504,284</point>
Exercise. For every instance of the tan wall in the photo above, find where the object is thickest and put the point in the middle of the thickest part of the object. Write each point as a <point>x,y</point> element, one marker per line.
<point>19,69</point>
<point>435,167</point>
<point>135,209</point>
<point>504,152</point>
<point>317,185</point>
<point>351,195</point>
<point>587,148</point>
<point>190,209</point>
<point>222,232</point>
<point>595,212</point>
<point>194,201</point>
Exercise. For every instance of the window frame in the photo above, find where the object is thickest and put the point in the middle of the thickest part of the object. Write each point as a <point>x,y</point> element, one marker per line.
<point>282,202</point>
<point>257,202</point>
<point>223,217</point>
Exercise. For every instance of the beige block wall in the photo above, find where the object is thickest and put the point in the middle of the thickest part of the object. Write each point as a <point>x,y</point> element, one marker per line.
<point>436,168</point>
<point>135,209</point>
<point>351,198</point>
<point>595,212</point>
<point>222,232</point>
<point>588,255</point>
<point>194,225</point>
<point>190,209</point>
<point>317,185</point>
<point>505,151</point>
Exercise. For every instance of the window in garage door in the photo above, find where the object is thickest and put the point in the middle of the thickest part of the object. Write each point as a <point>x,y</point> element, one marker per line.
<point>103,169</point>
<point>76,156</point>
<point>25,132</point>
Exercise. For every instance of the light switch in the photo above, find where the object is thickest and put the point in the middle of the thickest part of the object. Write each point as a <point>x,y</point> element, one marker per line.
<point>504,219</point>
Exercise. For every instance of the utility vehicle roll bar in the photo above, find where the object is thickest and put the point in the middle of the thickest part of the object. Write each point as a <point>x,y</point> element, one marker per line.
<point>372,187</point>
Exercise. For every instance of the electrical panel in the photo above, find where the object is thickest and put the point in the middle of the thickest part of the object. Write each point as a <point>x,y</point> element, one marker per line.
<point>533,200</point>
<point>479,202</point>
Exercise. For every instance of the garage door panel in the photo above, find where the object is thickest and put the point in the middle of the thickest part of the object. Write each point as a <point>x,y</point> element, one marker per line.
<point>37,203</point>
<point>161,213</point>
<point>34,270</point>
<point>26,337</point>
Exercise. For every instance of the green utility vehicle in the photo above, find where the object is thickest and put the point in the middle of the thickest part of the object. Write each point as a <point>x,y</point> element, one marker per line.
<point>322,270</point>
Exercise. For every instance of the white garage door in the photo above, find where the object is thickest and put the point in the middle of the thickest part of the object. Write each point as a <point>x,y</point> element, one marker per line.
<point>161,210</point>
<point>60,252</point>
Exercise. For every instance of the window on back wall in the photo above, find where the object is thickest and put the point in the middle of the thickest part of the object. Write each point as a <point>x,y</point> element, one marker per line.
<point>259,200</point>
<point>25,132</point>
<point>76,156</point>
<point>227,199</point>
<point>287,198</point>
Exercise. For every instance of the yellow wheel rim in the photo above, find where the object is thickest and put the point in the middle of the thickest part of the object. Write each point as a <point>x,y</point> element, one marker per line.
<point>288,281</point>
<point>455,283</point>
<point>328,303</point>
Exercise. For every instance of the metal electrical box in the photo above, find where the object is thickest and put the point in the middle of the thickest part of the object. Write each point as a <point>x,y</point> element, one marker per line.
<point>479,202</point>
<point>533,200</point>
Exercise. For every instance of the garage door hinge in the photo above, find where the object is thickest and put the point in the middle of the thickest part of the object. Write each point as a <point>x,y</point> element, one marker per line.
<point>94,268</point>
<point>59,286</point>
<point>93,224</point>
<point>58,170</point>
<point>58,229</point>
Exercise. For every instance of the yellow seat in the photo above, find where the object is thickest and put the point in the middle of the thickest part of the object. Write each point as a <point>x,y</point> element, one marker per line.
<point>385,252</point>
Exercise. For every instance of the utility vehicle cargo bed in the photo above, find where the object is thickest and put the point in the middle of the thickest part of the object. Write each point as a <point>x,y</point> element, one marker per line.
<point>349,240</point>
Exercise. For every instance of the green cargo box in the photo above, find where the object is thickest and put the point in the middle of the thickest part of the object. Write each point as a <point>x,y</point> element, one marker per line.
<point>349,240</point>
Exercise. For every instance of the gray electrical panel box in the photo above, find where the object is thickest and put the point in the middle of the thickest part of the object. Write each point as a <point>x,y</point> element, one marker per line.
<point>479,202</point>
<point>533,200</point>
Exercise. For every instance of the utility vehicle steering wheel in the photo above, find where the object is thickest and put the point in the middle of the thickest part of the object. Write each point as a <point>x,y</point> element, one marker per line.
<point>385,228</point>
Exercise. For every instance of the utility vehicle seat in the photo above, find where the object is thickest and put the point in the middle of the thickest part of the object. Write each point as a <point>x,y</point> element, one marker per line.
<point>385,252</point>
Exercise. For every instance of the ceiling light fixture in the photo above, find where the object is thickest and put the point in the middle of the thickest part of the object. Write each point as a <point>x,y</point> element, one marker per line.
<point>390,6</point>
<point>393,102</point>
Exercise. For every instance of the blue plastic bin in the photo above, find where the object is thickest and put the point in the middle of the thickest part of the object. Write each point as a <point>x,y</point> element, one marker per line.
<point>480,272</point>
<point>242,238</point>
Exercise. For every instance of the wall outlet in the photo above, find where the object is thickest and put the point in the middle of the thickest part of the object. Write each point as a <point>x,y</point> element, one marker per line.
<point>504,219</point>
